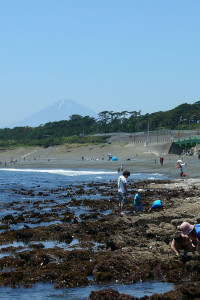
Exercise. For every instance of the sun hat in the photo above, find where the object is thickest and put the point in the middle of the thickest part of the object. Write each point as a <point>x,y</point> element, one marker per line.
<point>140,191</point>
<point>179,161</point>
<point>186,228</point>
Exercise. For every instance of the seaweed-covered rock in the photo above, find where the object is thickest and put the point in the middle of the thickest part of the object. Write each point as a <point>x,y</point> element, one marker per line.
<point>109,294</point>
<point>9,219</point>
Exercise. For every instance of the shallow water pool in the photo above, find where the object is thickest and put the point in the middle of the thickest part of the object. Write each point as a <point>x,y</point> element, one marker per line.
<point>46,291</point>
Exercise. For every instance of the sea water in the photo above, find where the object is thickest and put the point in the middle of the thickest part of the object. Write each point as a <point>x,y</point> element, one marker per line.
<point>13,180</point>
<point>42,291</point>
<point>78,175</point>
<point>46,179</point>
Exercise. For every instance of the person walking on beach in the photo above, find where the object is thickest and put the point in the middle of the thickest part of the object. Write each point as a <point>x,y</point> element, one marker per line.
<point>193,232</point>
<point>122,190</point>
<point>138,201</point>
<point>161,160</point>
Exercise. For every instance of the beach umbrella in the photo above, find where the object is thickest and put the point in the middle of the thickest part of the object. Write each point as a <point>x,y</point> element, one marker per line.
<point>114,158</point>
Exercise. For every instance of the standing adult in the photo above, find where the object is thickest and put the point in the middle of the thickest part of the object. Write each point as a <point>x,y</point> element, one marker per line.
<point>179,166</point>
<point>161,160</point>
<point>122,190</point>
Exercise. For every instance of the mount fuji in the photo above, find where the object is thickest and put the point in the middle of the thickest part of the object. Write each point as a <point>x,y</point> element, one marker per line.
<point>60,110</point>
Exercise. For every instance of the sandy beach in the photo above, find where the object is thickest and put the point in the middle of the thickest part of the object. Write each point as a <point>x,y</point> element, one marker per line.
<point>142,158</point>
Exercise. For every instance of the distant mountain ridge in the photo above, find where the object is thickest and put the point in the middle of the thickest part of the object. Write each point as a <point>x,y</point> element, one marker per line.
<point>61,110</point>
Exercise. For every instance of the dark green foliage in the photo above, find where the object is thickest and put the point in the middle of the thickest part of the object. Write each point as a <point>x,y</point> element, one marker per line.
<point>80,129</point>
<point>184,116</point>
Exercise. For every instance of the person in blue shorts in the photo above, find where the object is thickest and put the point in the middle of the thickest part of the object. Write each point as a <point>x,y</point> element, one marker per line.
<point>138,201</point>
<point>156,205</point>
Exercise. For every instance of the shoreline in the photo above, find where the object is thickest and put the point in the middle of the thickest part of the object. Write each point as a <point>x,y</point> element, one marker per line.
<point>142,159</point>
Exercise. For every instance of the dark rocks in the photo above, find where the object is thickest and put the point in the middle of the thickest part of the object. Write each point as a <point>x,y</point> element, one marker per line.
<point>111,248</point>
<point>66,219</point>
<point>66,237</point>
<point>25,255</point>
<point>111,245</point>
<point>9,219</point>
<point>37,246</point>
<point>24,234</point>
<point>109,294</point>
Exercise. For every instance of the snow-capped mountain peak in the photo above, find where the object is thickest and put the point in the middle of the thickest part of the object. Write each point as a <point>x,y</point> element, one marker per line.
<point>60,110</point>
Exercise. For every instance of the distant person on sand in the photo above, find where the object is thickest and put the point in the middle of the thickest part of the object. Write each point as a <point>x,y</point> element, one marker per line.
<point>182,242</point>
<point>183,152</point>
<point>122,168</point>
<point>179,166</point>
<point>161,160</point>
<point>122,190</point>
<point>138,201</point>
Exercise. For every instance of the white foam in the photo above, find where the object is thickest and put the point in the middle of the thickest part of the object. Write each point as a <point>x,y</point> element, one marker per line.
<point>156,174</point>
<point>136,174</point>
<point>60,171</point>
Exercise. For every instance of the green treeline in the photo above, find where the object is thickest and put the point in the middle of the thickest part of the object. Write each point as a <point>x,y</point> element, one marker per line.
<point>79,129</point>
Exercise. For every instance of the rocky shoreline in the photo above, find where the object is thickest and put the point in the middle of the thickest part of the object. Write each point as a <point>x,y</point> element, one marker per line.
<point>108,247</point>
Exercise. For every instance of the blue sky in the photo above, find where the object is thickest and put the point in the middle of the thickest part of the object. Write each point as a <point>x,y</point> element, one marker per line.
<point>104,54</point>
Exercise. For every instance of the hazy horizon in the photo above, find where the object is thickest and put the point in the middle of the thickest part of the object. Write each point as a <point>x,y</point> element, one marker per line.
<point>106,55</point>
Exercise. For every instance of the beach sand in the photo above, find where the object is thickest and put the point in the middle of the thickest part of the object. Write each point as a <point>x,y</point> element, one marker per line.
<point>143,158</point>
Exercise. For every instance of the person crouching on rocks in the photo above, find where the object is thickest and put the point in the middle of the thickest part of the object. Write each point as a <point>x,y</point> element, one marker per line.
<point>138,201</point>
<point>182,242</point>
<point>157,205</point>
<point>193,232</point>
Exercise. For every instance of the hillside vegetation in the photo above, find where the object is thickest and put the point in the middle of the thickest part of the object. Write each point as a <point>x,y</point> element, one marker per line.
<point>79,129</point>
